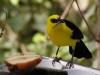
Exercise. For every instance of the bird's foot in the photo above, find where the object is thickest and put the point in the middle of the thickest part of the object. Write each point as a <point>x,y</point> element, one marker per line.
<point>69,65</point>
<point>56,59</point>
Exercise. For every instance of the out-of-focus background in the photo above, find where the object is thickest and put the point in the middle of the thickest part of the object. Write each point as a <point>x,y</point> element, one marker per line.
<point>24,24</point>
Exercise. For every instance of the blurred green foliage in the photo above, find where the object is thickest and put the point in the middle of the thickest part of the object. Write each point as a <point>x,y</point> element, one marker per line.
<point>26,20</point>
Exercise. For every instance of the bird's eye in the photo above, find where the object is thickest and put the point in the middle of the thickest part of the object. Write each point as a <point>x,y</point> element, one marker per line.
<point>54,20</point>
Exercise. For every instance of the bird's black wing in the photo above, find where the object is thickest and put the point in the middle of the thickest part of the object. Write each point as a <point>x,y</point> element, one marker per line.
<point>80,50</point>
<point>77,34</point>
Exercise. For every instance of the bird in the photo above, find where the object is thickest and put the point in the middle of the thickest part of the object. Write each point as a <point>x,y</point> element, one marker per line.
<point>63,32</point>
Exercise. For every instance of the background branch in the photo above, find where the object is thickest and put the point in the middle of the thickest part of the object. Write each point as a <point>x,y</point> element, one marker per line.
<point>90,29</point>
<point>66,10</point>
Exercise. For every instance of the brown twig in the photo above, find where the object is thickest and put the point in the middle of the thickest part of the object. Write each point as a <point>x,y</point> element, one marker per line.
<point>66,11</point>
<point>91,31</point>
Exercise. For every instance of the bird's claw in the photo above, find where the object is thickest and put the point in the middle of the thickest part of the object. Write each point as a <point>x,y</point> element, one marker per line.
<point>56,59</point>
<point>69,65</point>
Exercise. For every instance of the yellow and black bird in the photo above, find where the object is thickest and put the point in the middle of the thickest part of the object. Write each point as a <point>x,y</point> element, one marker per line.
<point>63,32</point>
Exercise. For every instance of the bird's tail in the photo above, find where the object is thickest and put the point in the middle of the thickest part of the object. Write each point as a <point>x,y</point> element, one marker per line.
<point>80,50</point>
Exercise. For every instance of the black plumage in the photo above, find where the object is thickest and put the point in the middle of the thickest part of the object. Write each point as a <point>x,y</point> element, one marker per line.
<point>77,34</point>
<point>80,49</point>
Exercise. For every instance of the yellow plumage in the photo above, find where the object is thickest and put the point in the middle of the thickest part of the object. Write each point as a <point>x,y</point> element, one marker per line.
<point>59,34</point>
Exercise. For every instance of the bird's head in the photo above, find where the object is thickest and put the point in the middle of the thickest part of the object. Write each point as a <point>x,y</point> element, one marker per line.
<point>54,20</point>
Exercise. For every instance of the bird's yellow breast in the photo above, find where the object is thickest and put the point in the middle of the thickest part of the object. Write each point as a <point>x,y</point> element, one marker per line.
<point>60,34</point>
